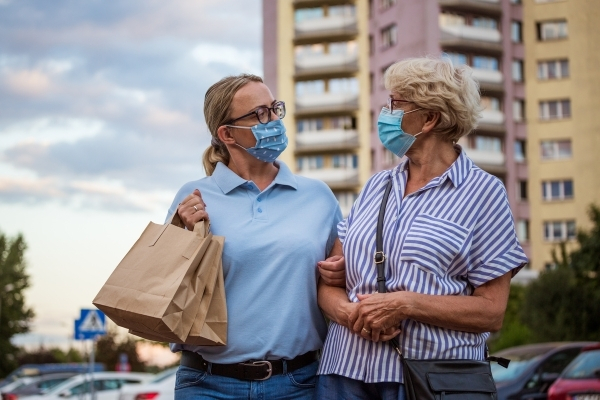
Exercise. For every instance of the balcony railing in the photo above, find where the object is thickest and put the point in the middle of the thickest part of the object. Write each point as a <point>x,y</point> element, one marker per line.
<point>491,117</point>
<point>334,177</point>
<point>331,139</point>
<point>490,161</point>
<point>333,26</point>
<point>326,103</point>
<point>326,64</point>
<point>489,80</point>
<point>476,6</point>
<point>471,37</point>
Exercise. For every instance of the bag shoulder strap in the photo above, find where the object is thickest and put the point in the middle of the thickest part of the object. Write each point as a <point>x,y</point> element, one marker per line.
<point>379,256</point>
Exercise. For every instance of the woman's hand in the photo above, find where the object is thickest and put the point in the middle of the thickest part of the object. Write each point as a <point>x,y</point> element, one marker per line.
<point>376,317</point>
<point>333,271</point>
<point>192,209</point>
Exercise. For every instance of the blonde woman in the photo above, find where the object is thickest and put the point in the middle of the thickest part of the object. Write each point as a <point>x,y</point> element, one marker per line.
<point>448,238</point>
<point>277,227</point>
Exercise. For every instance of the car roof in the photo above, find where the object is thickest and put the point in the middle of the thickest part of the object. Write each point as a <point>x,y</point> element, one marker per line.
<point>530,351</point>
<point>143,376</point>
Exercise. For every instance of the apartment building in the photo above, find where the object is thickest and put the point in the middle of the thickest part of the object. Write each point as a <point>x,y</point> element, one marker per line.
<point>563,81</point>
<point>326,59</point>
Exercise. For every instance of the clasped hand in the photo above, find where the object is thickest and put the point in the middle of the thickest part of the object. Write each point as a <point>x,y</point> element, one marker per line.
<point>375,317</point>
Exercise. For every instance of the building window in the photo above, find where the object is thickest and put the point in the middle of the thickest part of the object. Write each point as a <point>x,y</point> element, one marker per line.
<point>346,123</point>
<point>456,58</point>
<point>559,230</point>
<point>553,69</point>
<point>519,110</point>
<point>557,190</point>
<point>552,30</point>
<point>515,1</point>
<point>346,10</point>
<point>484,22</point>
<point>516,33</point>
<point>490,103</point>
<point>371,45</point>
<point>309,163</point>
<point>483,62</point>
<point>517,70</point>
<point>344,161</point>
<point>310,87</point>
<point>520,151</point>
<point>343,85</point>
<point>523,230</point>
<point>487,143</point>
<point>348,48</point>
<point>522,190</point>
<point>385,4</point>
<point>389,158</point>
<point>556,149</point>
<point>304,14</point>
<point>555,109</point>
<point>309,125</point>
<point>388,36</point>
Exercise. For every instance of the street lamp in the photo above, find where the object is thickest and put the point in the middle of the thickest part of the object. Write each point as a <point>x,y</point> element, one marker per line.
<point>7,288</point>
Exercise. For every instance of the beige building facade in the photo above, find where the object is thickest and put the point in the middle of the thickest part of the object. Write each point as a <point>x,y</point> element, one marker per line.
<point>562,76</point>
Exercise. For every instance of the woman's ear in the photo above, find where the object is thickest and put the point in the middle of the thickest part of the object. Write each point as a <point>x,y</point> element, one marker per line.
<point>433,118</point>
<point>224,135</point>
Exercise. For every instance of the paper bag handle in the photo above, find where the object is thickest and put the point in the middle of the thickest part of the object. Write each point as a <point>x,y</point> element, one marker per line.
<point>202,227</point>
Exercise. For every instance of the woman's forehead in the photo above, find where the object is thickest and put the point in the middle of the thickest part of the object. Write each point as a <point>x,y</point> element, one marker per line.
<point>252,95</point>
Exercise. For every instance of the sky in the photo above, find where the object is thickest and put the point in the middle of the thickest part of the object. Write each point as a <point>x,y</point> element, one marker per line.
<point>101,122</point>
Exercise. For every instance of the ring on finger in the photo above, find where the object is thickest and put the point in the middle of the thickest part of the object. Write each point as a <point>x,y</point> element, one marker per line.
<point>195,208</point>
<point>368,332</point>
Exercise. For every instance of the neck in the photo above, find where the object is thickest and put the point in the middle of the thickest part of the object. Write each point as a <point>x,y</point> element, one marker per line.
<point>430,159</point>
<point>251,169</point>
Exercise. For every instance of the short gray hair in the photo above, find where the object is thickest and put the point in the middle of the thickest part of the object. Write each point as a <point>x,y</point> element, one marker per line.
<point>435,84</point>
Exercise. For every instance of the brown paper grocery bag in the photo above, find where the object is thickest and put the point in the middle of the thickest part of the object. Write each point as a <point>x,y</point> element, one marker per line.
<point>152,289</point>
<point>210,325</point>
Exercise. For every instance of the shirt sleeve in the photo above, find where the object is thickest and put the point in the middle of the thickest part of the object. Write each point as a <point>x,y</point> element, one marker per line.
<point>495,249</point>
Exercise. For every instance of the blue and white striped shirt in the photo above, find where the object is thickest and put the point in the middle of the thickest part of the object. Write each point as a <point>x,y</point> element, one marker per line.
<point>448,238</point>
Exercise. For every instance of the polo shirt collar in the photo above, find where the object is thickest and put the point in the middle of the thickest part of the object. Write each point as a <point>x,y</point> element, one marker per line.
<point>227,180</point>
<point>457,172</point>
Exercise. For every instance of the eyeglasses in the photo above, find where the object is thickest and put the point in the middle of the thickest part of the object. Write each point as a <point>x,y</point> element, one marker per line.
<point>391,101</point>
<point>263,113</point>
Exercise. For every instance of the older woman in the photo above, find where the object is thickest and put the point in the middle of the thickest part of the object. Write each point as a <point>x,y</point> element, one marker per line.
<point>448,235</point>
<point>277,226</point>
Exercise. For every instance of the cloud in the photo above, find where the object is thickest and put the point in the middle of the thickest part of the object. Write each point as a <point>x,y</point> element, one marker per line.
<point>94,92</point>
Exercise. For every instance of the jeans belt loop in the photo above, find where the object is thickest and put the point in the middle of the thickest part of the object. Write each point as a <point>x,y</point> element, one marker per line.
<point>284,367</point>
<point>209,369</point>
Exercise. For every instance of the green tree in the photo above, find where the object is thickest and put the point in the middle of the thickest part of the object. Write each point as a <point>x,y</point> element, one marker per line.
<point>15,317</point>
<point>108,350</point>
<point>564,303</point>
<point>514,332</point>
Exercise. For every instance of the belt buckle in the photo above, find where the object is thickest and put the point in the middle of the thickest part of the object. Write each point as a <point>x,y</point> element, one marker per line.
<point>261,363</point>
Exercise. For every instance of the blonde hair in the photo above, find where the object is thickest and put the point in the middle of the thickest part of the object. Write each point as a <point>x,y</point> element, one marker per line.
<point>435,84</point>
<point>217,107</point>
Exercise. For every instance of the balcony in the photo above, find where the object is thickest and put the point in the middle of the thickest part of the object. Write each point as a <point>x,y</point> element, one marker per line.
<point>320,65</point>
<point>319,3</point>
<point>492,7</point>
<point>489,80</point>
<point>492,122</point>
<point>490,161</point>
<point>325,140</point>
<point>333,28</point>
<point>335,178</point>
<point>470,38</point>
<point>324,103</point>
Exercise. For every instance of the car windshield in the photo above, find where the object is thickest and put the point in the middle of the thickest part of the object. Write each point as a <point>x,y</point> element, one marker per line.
<point>520,360</point>
<point>585,366</point>
<point>61,386</point>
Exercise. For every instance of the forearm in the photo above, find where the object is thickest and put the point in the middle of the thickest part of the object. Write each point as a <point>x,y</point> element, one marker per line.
<point>334,303</point>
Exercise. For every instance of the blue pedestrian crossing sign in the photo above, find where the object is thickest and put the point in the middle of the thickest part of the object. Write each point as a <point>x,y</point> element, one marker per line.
<point>91,323</point>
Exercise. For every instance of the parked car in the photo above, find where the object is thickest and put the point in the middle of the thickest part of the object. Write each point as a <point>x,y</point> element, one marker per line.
<point>533,368</point>
<point>31,370</point>
<point>17,383</point>
<point>162,387</point>
<point>581,379</point>
<point>106,386</point>
<point>37,385</point>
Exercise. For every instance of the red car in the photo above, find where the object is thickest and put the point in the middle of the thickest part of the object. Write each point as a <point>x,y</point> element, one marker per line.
<point>581,379</point>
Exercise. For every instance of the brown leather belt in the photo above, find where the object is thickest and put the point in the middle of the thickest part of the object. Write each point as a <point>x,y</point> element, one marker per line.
<point>259,370</point>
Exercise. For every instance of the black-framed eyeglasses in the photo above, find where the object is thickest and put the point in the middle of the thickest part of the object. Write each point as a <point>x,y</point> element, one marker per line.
<point>391,101</point>
<point>263,113</point>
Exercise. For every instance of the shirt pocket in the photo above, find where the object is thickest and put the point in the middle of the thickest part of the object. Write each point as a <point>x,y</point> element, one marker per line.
<point>433,243</point>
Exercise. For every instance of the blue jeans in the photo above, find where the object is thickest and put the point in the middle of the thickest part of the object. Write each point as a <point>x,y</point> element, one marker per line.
<point>337,387</point>
<point>193,384</point>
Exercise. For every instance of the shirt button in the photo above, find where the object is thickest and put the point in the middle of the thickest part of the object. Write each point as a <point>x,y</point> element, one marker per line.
<point>259,199</point>
<point>260,210</point>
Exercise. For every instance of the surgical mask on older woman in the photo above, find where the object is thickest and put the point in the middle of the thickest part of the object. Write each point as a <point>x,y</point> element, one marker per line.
<point>271,140</point>
<point>391,134</point>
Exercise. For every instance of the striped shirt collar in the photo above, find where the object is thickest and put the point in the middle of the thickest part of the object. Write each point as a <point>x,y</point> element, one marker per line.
<point>457,172</point>
<point>227,180</point>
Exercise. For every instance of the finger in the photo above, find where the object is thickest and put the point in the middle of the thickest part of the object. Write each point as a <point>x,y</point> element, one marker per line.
<point>197,193</point>
<point>375,333</point>
<point>338,265</point>
<point>384,337</point>
<point>365,333</point>
<point>332,274</point>
<point>358,322</point>
<point>353,320</point>
<point>362,297</point>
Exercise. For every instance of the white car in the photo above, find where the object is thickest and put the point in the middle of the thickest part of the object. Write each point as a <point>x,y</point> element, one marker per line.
<point>162,387</point>
<point>106,386</point>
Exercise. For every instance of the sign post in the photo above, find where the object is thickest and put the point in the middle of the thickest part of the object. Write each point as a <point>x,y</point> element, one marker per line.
<point>90,325</point>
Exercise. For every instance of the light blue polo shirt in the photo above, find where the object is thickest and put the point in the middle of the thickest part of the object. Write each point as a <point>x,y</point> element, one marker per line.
<point>273,241</point>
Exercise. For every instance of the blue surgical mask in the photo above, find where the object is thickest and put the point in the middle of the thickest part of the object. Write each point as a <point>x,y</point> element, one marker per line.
<point>391,134</point>
<point>271,140</point>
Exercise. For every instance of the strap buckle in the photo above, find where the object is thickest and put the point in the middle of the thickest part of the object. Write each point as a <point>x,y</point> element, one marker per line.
<point>260,364</point>
<point>379,257</point>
